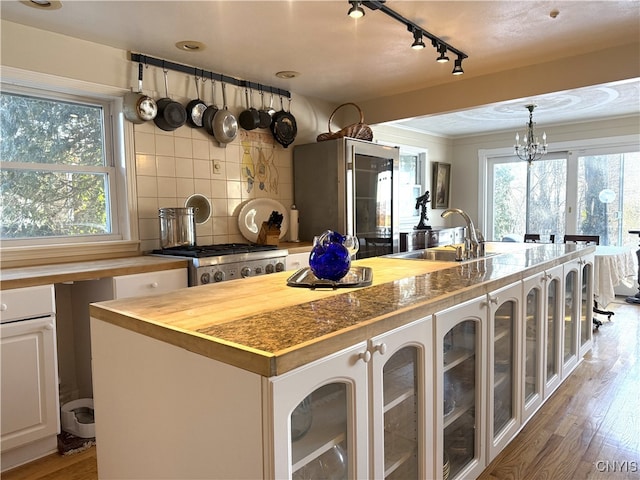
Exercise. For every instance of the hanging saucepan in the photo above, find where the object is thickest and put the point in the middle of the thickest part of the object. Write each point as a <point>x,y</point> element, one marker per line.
<point>265,118</point>
<point>195,109</point>
<point>138,108</point>
<point>283,126</point>
<point>171,115</point>
<point>210,112</point>
<point>225,124</point>
<point>249,118</point>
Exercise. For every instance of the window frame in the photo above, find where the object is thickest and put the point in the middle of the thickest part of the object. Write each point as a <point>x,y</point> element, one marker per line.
<point>119,152</point>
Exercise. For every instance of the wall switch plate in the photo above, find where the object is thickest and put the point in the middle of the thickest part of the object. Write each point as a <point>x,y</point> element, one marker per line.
<point>217,167</point>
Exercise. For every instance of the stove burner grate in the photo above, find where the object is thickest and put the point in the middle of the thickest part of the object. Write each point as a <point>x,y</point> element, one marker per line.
<point>214,250</point>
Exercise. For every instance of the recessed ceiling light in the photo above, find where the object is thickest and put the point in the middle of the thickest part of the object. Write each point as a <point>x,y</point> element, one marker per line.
<point>43,4</point>
<point>287,74</point>
<point>190,46</point>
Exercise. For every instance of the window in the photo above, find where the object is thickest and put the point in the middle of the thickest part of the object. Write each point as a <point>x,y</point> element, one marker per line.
<point>528,199</point>
<point>609,196</point>
<point>592,192</point>
<point>411,184</point>
<point>60,174</point>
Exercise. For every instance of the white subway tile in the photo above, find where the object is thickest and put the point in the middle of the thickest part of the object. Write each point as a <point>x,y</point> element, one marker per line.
<point>165,145</point>
<point>145,143</point>
<point>146,164</point>
<point>147,186</point>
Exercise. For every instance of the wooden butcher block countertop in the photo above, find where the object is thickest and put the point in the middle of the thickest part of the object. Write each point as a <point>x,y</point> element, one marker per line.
<point>75,271</point>
<point>264,326</point>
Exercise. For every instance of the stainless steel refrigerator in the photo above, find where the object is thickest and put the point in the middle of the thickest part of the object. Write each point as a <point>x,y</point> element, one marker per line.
<point>349,186</point>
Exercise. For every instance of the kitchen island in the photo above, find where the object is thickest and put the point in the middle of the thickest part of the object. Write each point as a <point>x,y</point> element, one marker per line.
<point>195,383</point>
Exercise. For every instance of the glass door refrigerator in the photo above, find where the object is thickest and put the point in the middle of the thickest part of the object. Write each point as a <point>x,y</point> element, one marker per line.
<point>349,186</point>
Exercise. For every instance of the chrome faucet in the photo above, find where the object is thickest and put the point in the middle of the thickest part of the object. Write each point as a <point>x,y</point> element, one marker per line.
<point>472,247</point>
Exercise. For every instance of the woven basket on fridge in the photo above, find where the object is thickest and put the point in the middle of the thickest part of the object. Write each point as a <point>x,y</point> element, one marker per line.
<point>358,130</point>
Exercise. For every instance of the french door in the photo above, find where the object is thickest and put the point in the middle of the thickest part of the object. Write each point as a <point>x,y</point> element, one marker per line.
<point>589,192</point>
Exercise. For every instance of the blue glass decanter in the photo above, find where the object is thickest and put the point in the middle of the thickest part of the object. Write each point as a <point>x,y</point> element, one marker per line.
<point>330,257</point>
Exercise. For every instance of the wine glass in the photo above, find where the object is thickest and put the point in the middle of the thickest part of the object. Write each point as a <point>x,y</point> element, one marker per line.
<point>352,244</point>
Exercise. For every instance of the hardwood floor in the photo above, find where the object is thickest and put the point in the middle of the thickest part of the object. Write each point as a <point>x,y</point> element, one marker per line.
<point>588,429</point>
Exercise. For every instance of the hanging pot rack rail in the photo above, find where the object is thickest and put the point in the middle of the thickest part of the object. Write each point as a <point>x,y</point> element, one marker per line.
<point>198,72</point>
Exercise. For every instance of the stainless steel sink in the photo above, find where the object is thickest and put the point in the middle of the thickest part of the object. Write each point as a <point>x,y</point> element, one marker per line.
<point>434,255</point>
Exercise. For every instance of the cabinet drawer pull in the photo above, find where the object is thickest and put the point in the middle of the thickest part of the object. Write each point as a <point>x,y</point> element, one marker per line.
<point>365,356</point>
<point>154,285</point>
<point>382,348</point>
<point>3,307</point>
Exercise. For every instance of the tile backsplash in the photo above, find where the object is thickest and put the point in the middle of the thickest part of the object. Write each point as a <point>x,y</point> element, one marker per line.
<point>172,166</point>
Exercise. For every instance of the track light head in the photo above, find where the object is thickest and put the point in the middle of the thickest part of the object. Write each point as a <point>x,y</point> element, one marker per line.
<point>356,10</point>
<point>418,43</point>
<point>442,50</point>
<point>457,67</point>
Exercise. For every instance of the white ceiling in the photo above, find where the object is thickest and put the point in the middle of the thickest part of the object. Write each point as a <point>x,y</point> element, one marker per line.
<point>340,59</point>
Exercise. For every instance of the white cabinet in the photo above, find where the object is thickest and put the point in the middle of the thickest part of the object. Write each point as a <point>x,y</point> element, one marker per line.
<point>478,381</point>
<point>504,378</point>
<point>295,261</point>
<point>533,341</point>
<point>148,283</point>
<point>460,390</point>
<point>361,413</point>
<point>586,304</point>
<point>29,403</point>
<point>553,329</point>
<point>571,324</point>
<point>402,402</point>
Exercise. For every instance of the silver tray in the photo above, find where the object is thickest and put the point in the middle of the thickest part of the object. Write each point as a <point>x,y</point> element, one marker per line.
<point>355,277</point>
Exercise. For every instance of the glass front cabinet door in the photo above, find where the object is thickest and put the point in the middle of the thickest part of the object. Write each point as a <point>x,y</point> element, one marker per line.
<point>586,304</point>
<point>503,376</point>
<point>402,406</point>
<point>553,314</point>
<point>319,424</point>
<point>571,324</point>
<point>358,414</point>
<point>460,390</point>
<point>533,315</point>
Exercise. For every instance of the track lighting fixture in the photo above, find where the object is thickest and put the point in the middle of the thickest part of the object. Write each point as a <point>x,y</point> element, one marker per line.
<point>356,11</point>
<point>442,50</point>
<point>418,43</point>
<point>457,67</point>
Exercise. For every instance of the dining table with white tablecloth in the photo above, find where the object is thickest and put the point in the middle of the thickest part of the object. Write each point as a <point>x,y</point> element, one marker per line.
<point>613,266</point>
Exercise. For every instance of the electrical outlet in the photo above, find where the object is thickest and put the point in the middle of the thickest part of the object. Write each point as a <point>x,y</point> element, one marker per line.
<point>217,167</point>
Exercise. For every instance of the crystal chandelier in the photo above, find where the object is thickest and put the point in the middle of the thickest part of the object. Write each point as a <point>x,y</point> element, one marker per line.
<point>532,149</point>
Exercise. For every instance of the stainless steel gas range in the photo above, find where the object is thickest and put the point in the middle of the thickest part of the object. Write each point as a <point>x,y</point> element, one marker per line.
<point>228,261</point>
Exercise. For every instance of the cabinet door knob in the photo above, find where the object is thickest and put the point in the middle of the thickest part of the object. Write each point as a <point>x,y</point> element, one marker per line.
<point>382,348</point>
<point>154,285</point>
<point>365,356</point>
<point>3,307</point>
<point>493,300</point>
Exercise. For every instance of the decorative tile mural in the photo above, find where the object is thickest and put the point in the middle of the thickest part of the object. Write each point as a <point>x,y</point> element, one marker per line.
<point>171,166</point>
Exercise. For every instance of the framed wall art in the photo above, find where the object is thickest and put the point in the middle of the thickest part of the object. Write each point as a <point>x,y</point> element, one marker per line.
<point>440,184</point>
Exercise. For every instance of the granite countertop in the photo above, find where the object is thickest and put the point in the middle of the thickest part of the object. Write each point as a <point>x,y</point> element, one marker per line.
<point>262,325</point>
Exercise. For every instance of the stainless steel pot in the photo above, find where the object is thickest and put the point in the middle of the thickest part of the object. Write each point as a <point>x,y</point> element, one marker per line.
<point>177,227</point>
<point>137,107</point>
